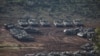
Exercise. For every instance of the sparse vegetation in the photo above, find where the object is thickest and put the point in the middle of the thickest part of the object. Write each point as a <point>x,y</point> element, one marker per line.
<point>87,8</point>
<point>8,45</point>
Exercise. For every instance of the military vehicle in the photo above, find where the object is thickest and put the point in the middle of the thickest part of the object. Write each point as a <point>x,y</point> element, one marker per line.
<point>20,34</point>
<point>68,23</point>
<point>23,22</point>
<point>44,23</point>
<point>82,34</point>
<point>90,29</point>
<point>40,54</point>
<point>58,23</point>
<point>33,22</point>
<point>66,53</point>
<point>78,23</point>
<point>54,54</point>
<point>29,54</point>
<point>87,47</point>
<point>87,33</point>
<point>9,26</point>
<point>71,31</point>
<point>77,53</point>
<point>32,30</point>
<point>87,53</point>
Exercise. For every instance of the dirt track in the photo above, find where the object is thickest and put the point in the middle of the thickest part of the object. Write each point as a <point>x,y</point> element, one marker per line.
<point>52,39</point>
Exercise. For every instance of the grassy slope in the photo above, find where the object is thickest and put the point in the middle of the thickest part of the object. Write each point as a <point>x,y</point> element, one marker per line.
<point>11,10</point>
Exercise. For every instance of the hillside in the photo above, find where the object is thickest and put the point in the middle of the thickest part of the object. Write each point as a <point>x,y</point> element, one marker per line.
<point>49,9</point>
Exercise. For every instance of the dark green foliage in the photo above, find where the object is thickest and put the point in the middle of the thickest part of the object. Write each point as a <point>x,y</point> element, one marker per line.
<point>96,40</point>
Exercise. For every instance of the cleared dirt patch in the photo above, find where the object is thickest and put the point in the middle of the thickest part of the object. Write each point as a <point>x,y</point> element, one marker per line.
<point>52,39</point>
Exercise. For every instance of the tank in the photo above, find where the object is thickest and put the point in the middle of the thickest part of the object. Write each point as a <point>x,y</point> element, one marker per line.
<point>33,22</point>
<point>9,26</point>
<point>45,23</point>
<point>71,31</point>
<point>54,54</point>
<point>23,22</point>
<point>58,23</point>
<point>32,30</point>
<point>20,35</point>
<point>78,23</point>
<point>40,54</point>
<point>68,23</point>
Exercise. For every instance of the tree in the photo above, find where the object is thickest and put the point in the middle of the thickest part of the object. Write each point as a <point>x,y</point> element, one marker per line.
<point>97,39</point>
